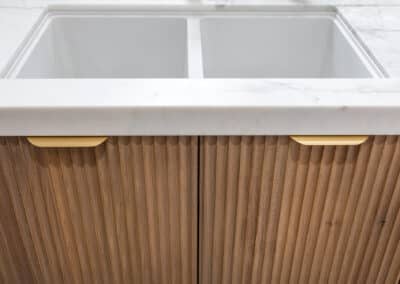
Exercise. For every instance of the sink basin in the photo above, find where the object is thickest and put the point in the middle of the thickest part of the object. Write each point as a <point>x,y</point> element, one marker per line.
<point>108,47</point>
<point>223,43</point>
<point>276,46</point>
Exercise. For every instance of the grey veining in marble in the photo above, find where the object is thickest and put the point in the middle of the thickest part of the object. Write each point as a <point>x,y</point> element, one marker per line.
<point>216,107</point>
<point>379,29</point>
<point>373,18</point>
<point>41,3</point>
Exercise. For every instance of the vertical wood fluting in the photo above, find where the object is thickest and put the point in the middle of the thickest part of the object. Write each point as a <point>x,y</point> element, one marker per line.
<point>273,211</point>
<point>123,212</point>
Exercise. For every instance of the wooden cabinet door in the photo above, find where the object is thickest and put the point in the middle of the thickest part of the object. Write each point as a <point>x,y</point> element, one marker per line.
<point>272,211</point>
<point>123,212</point>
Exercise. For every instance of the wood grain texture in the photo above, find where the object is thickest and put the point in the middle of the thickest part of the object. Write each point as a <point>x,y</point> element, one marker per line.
<point>124,212</point>
<point>273,211</point>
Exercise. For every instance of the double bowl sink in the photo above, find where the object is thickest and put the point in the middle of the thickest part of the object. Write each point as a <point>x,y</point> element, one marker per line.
<point>275,42</point>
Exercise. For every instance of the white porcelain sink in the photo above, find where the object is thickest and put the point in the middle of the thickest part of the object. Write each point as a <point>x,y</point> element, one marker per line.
<point>280,43</point>
<point>286,46</point>
<point>109,47</point>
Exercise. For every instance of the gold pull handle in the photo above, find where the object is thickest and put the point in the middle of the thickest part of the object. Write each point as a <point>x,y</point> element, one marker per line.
<point>330,140</point>
<point>66,141</point>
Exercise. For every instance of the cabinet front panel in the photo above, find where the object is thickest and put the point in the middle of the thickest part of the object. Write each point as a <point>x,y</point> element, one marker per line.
<point>123,212</point>
<point>273,211</point>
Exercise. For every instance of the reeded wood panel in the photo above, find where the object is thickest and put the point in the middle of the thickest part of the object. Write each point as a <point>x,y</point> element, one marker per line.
<point>273,211</point>
<point>124,212</point>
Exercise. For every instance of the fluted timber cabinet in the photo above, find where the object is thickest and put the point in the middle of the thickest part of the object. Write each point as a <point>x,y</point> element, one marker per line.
<point>200,210</point>
<point>123,212</point>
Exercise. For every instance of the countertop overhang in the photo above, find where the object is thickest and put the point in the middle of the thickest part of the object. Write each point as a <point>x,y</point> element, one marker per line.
<point>200,107</point>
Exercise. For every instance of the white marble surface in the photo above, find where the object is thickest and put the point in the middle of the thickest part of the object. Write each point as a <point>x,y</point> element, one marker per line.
<point>42,3</point>
<point>200,107</point>
<point>379,29</point>
<point>160,107</point>
<point>373,18</point>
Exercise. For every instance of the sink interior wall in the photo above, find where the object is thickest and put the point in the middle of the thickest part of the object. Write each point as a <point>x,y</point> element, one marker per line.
<point>278,47</point>
<point>91,47</point>
<point>275,45</point>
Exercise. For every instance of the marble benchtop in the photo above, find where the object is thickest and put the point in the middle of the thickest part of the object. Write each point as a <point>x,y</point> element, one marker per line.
<point>369,106</point>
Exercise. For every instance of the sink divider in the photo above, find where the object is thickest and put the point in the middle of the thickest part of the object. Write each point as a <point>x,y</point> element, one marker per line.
<point>195,56</point>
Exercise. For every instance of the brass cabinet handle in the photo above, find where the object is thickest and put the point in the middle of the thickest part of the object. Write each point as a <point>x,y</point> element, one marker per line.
<point>91,141</point>
<point>66,141</point>
<point>330,140</point>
